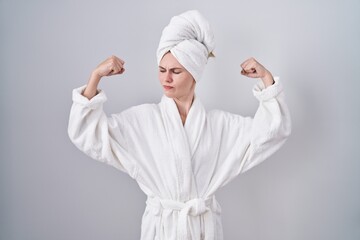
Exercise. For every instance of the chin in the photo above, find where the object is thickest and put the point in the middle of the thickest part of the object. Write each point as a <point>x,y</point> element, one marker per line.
<point>169,95</point>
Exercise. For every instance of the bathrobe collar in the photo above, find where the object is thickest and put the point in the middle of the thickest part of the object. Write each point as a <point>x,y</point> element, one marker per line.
<point>184,140</point>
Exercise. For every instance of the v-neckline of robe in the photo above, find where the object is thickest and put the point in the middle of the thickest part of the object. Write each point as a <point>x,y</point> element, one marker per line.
<point>184,140</point>
<point>194,123</point>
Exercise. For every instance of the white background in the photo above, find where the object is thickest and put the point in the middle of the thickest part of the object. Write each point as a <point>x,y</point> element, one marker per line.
<point>307,190</point>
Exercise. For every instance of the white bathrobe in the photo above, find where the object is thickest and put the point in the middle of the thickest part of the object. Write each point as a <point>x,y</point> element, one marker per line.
<point>180,167</point>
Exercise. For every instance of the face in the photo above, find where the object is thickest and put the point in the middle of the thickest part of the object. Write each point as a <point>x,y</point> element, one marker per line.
<point>176,81</point>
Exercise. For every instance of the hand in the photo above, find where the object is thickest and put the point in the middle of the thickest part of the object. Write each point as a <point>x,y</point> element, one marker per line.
<point>111,66</point>
<point>253,69</point>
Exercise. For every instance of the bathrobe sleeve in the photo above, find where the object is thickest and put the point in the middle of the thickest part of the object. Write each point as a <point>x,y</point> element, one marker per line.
<point>247,141</point>
<point>269,128</point>
<point>100,137</point>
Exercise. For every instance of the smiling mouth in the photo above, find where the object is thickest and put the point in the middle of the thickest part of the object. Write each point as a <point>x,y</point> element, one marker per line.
<point>168,87</point>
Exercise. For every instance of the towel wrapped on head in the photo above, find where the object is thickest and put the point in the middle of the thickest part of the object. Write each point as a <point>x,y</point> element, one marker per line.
<point>191,41</point>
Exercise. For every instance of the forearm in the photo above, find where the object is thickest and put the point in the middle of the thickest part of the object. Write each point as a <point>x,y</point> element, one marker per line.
<point>92,86</point>
<point>268,79</point>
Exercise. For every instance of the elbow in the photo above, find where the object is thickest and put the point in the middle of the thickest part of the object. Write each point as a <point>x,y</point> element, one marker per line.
<point>71,133</point>
<point>281,133</point>
<point>287,128</point>
<point>284,132</point>
<point>287,131</point>
<point>76,136</point>
<point>86,143</point>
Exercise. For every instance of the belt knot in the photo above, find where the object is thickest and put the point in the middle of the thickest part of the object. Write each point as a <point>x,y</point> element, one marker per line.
<point>194,207</point>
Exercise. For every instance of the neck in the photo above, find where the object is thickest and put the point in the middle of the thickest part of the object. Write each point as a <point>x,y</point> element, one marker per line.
<point>184,104</point>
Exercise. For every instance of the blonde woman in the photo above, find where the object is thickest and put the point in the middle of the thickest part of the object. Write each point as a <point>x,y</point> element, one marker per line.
<point>178,152</point>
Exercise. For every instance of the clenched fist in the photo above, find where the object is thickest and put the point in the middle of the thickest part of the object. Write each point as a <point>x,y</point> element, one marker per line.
<point>253,69</point>
<point>111,66</point>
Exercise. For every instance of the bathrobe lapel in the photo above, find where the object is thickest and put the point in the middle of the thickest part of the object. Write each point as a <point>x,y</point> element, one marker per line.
<point>184,141</point>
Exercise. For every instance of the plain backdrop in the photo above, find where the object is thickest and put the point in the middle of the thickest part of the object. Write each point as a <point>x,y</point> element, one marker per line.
<point>310,189</point>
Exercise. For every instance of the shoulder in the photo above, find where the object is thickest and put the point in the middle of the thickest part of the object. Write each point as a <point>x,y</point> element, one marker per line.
<point>221,117</point>
<point>217,114</point>
<point>146,107</point>
<point>143,111</point>
<point>139,116</point>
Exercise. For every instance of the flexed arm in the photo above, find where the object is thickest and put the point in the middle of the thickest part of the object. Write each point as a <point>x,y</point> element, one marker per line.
<point>102,138</point>
<point>271,124</point>
<point>247,141</point>
<point>111,66</point>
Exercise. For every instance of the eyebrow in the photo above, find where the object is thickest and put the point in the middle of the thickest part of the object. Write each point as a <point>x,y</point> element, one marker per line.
<point>171,68</point>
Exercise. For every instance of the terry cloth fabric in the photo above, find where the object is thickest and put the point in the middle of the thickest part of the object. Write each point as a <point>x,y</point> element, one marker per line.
<point>190,39</point>
<point>181,167</point>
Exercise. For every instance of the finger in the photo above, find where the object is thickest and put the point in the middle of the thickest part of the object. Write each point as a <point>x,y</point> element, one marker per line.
<point>114,70</point>
<point>113,66</point>
<point>248,66</point>
<point>116,65</point>
<point>244,72</point>
<point>118,71</point>
<point>120,64</point>
<point>243,65</point>
<point>251,67</point>
<point>250,75</point>
<point>250,70</point>
<point>247,62</point>
<point>116,61</point>
<point>119,60</point>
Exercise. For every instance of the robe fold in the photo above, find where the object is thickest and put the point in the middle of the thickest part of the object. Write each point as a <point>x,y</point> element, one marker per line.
<point>180,167</point>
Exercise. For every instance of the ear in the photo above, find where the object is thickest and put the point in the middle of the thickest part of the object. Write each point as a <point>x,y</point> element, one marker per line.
<point>194,83</point>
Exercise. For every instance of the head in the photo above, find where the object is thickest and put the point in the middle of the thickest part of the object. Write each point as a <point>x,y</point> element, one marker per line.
<point>176,81</point>
<point>184,48</point>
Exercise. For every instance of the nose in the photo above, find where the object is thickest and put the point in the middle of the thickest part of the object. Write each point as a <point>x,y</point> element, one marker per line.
<point>168,77</point>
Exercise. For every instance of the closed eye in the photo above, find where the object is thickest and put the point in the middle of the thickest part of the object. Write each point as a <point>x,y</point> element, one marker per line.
<point>175,70</point>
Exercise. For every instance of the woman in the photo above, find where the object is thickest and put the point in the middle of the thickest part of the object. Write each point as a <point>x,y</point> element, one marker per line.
<point>179,153</point>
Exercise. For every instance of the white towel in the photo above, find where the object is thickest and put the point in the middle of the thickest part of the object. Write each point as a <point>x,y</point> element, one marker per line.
<point>190,39</point>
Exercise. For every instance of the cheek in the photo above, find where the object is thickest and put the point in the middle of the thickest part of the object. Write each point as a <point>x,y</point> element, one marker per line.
<point>188,80</point>
<point>185,83</point>
<point>162,77</point>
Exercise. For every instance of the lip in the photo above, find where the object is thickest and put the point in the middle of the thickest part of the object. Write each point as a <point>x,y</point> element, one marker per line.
<point>167,87</point>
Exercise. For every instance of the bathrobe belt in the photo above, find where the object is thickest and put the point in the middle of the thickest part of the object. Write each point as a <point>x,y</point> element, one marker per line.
<point>193,207</point>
